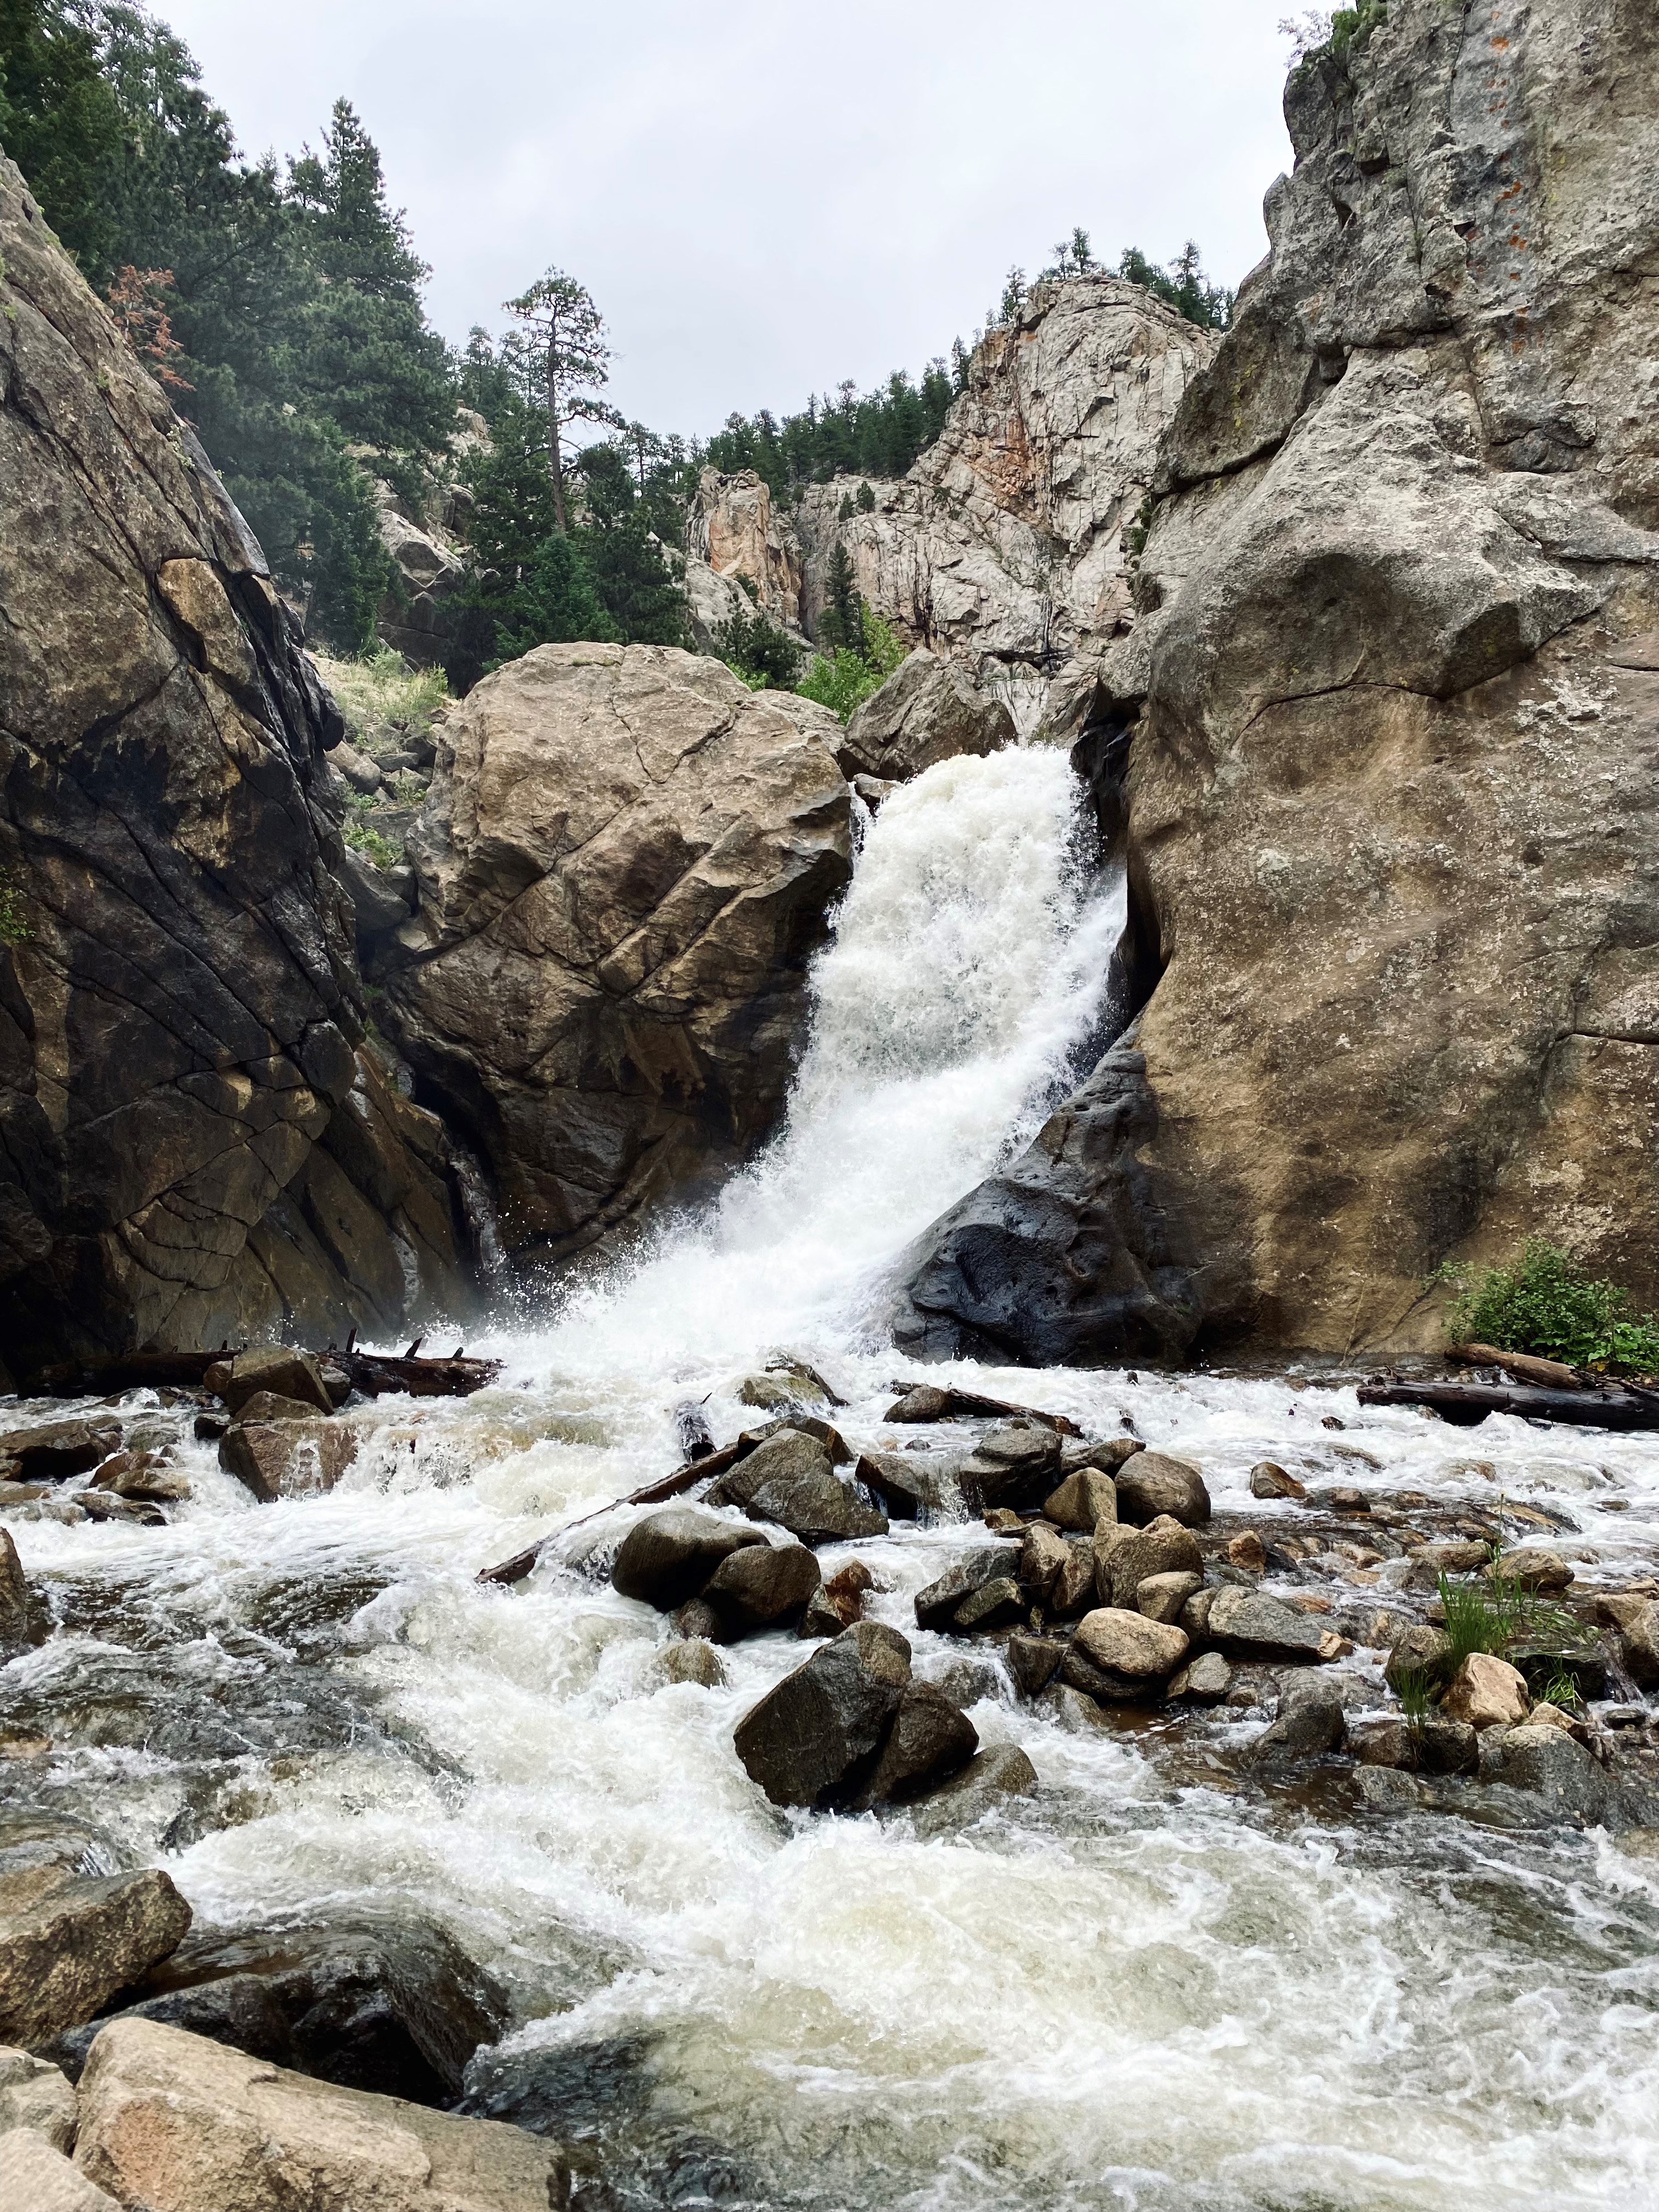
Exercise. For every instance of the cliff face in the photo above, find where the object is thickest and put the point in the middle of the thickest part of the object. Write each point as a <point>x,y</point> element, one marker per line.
<point>1389,717</point>
<point>1004,548</point>
<point>179,1004</point>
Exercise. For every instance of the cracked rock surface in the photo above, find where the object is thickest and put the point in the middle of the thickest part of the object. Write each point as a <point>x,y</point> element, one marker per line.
<point>1379,745</point>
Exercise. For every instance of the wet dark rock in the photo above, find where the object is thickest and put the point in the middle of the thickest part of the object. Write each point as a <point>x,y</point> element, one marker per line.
<point>987,1782</point>
<point>790,1480</point>
<point>922,1404</point>
<point>762,1586</point>
<point>847,1589</point>
<point>999,1603</point>
<point>17,1612</point>
<point>58,1450</point>
<point>208,1428</point>
<point>1104,1684</point>
<point>1383,1742</point>
<point>1446,1746</point>
<point>1074,1589</point>
<point>904,1482</point>
<point>1155,1485</point>
<point>99,1505</point>
<point>668,1557</point>
<point>936,1606</point>
<point>269,1405</point>
<point>695,1622</point>
<point>1344,1499</point>
<point>1034,1661</point>
<point>1309,1722</point>
<point>1534,1568</point>
<point>1586,1670</point>
<point>966,1681</point>
<point>1249,1624</point>
<point>1558,1771</point>
<point>1012,1464</point>
<point>397,2007</point>
<point>287,1458</point>
<point>144,1476</point>
<point>930,1740</point>
<point>68,1944</point>
<point>815,1738</point>
<point>278,1369</point>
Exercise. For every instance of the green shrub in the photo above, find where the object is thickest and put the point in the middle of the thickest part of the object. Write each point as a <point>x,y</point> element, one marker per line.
<point>766,657</point>
<point>362,836</point>
<point>844,679</point>
<point>1545,1303</point>
<point>1350,34</point>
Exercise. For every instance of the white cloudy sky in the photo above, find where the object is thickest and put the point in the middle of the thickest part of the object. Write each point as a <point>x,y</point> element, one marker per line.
<point>766,197</point>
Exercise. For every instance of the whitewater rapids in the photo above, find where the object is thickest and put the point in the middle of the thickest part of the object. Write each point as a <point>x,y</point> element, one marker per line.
<point>1139,1989</point>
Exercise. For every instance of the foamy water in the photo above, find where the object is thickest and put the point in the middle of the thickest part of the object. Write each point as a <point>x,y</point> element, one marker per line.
<point>1141,1988</point>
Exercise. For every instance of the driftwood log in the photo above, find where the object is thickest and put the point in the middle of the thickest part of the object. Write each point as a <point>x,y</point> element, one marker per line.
<point>1524,1366</point>
<point>926,1401</point>
<point>373,1374</point>
<point>1467,1404</point>
<point>376,1375</point>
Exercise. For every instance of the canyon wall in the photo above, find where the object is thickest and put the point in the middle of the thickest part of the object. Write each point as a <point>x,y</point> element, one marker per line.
<point>1380,745</point>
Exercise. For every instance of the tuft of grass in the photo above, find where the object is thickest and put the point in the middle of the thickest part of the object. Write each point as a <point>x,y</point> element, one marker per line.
<point>14,911</point>
<point>382,699</point>
<point>1411,1688</point>
<point>1495,1614</point>
<point>1544,1302</point>
<point>1560,1690</point>
<point>362,836</point>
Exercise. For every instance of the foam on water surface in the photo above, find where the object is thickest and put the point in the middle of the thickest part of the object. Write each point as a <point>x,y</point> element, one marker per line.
<point>1139,1989</point>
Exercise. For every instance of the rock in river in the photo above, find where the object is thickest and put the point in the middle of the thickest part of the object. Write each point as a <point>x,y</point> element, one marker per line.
<point>814,1739</point>
<point>762,1586</point>
<point>1128,1644</point>
<point>668,1557</point>
<point>1155,1484</point>
<point>790,1480</point>
<point>68,1944</point>
<point>1248,1625</point>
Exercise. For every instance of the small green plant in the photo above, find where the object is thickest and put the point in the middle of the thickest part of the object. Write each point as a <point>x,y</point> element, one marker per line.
<point>765,656</point>
<point>1333,37</point>
<point>362,836</point>
<point>14,912</point>
<point>1141,528</point>
<point>1412,1687</point>
<point>1560,1690</point>
<point>382,699</point>
<point>844,679</point>
<point>1546,1303</point>
<point>1498,1611</point>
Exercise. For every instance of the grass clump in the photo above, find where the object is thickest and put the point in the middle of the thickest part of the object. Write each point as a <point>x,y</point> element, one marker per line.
<point>1414,1688</point>
<point>1498,1613</point>
<point>382,699</point>
<point>1546,1303</point>
<point>363,837</point>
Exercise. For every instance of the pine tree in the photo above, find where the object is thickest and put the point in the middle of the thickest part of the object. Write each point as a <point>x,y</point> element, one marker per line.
<point>643,602</point>
<point>567,333</point>
<point>842,625</point>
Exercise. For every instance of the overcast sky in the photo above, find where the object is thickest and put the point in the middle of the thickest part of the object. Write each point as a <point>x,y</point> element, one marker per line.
<point>765,198</point>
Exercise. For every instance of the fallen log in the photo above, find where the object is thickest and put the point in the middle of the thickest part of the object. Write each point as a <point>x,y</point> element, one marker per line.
<point>1465,1405</point>
<point>128,1370</point>
<point>654,1493</point>
<point>375,1374</point>
<point>927,1401</point>
<point>1548,1374</point>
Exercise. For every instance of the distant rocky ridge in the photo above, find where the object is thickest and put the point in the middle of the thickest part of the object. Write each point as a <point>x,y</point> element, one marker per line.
<point>1378,745</point>
<point>1007,545</point>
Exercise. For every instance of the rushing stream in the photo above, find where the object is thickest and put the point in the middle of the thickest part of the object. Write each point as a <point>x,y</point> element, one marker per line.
<point>1150,1985</point>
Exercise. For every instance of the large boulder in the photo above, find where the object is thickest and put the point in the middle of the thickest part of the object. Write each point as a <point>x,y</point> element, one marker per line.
<point>1372,744</point>
<point>816,1738</point>
<point>179,999</point>
<point>928,711</point>
<point>668,1557</point>
<point>68,1944</point>
<point>625,862</point>
<point>35,2173</point>
<point>930,1740</point>
<point>761,1587</point>
<point>170,2120</point>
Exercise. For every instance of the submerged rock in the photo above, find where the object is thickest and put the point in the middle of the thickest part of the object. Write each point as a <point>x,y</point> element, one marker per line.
<point>1309,1721</point>
<point>930,1740</point>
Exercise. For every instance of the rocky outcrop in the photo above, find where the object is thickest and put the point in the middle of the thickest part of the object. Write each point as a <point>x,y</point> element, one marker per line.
<point>733,528</point>
<point>179,1002</point>
<point>1374,744</point>
<point>1007,548</point>
<point>417,616</point>
<point>625,862</point>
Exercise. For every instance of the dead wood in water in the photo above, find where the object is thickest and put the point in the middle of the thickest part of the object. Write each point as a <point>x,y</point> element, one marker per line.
<point>130,1370</point>
<point>926,1401</point>
<point>654,1493</point>
<point>1465,1404</point>
<point>1548,1374</point>
<point>371,1373</point>
<point>377,1376</point>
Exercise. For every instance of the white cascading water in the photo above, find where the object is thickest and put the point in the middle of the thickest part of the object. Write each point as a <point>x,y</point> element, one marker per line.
<point>1143,1987</point>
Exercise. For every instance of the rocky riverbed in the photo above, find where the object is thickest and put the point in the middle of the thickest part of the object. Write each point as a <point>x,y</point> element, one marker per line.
<point>1192,1951</point>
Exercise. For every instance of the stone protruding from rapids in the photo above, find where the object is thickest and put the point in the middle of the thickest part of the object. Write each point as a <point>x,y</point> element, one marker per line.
<point>1309,1721</point>
<point>1559,1770</point>
<point>928,711</point>
<point>626,859</point>
<point>902,1480</point>
<point>1413,552</point>
<point>276,1370</point>
<point>1269,1479</point>
<point>1034,1661</point>
<point>1128,1644</point>
<point>1639,1645</point>
<point>930,1740</point>
<point>57,1449</point>
<point>1075,1585</point>
<point>762,1586</point>
<point>35,2176</point>
<point>985,1783</point>
<point>790,1480</point>
<point>1544,1573</point>
<point>1206,1681</point>
<point>1419,1651</point>
<point>394,2006</point>
<point>16,1612</point>
<point>287,1458</point>
<point>1486,1691</point>
<point>667,1558</point>
<point>1247,1624</point>
<point>68,1944</point>
<point>1011,1465</point>
<point>936,1606</point>
<point>33,2095</point>
<point>1083,1501</point>
<point>1043,1556</point>
<point>1157,1483</point>
<point>815,1738</point>
<point>172,2121</point>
